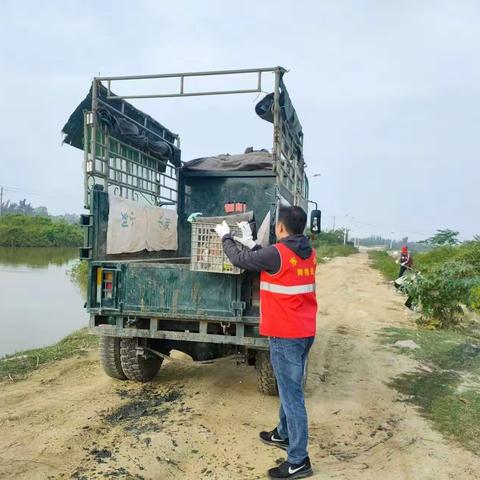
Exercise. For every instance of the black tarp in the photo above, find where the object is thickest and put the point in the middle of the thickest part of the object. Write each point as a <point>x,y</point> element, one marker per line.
<point>128,127</point>
<point>264,109</point>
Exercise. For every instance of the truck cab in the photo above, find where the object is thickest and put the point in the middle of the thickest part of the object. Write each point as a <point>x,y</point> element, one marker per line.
<point>146,300</point>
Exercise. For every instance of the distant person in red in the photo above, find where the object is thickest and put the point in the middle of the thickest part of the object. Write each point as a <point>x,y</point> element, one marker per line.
<point>406,261</point>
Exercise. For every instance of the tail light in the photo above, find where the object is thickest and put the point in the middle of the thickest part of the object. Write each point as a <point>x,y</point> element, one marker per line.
<point>105,286</point>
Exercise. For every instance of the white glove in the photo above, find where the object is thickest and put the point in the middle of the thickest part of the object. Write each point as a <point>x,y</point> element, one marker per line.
<point>247,236</point>
<point>222,229</point>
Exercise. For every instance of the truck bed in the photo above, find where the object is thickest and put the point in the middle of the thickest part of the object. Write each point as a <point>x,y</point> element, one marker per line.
<point>174,289</point>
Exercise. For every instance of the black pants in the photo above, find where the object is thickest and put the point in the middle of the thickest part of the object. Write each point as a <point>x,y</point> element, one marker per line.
<point>403,268</point>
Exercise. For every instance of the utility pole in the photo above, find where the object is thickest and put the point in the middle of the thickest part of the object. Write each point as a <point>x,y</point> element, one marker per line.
<point>333,228</point>
<point>346,230</point>
<point>1,201</point>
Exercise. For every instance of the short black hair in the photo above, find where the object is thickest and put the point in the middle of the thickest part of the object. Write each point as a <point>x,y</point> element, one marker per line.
<point>294,219</point>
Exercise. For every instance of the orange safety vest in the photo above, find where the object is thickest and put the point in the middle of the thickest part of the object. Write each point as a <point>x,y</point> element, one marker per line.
<point>288,303</point>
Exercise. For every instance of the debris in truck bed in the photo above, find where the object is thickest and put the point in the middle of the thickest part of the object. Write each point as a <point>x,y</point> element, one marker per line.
<point>256,160</point>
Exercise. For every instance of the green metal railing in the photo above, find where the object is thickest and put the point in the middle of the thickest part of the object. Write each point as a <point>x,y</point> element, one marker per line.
<point>131,173</point>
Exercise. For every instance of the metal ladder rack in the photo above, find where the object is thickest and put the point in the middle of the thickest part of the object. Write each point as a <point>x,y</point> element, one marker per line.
<point>132,173</point>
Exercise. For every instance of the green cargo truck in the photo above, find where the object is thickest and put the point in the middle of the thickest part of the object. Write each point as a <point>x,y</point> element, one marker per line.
<point>145,303</point>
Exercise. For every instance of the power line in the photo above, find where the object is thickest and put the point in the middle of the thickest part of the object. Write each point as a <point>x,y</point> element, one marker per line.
<point>37,193</point>
<point>355,222</point>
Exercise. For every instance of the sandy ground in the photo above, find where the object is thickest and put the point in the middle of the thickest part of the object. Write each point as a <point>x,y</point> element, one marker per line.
<point>69,420</point>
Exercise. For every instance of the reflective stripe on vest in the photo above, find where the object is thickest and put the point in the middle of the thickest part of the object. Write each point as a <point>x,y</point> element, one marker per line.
<point>287,290</point>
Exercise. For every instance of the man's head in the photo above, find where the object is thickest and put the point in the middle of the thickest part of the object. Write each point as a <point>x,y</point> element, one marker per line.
<point>290,221</point>
<point>404,249</point>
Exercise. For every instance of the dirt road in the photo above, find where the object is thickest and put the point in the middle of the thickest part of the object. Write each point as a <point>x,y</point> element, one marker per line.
<point>71,421</point>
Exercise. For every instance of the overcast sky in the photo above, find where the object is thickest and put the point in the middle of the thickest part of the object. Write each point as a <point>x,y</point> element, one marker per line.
<point>387,92</point>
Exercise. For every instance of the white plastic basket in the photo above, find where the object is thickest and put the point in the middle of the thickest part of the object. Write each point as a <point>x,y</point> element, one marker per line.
<point>207,250</point>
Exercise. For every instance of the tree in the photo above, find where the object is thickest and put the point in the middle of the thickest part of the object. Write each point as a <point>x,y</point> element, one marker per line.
<point>40,212</point>
<point>23,208</point>
<point>331,236</point>
<point>443,237</point>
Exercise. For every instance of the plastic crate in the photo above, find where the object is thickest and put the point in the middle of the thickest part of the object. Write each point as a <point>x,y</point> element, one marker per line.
<point>207,250</point>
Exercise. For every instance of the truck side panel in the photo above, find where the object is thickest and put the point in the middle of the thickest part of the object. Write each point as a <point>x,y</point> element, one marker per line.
<point>157,288</point>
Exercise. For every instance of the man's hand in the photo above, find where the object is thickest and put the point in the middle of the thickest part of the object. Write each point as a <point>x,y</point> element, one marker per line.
<point>247,236</point>
<point>222,229</point>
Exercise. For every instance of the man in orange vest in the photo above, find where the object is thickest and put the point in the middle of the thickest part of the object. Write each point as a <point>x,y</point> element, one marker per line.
<point>288,311</point>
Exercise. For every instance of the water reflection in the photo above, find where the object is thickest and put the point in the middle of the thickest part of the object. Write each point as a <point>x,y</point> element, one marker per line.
<point>39,303</point>
<point>36,257</point>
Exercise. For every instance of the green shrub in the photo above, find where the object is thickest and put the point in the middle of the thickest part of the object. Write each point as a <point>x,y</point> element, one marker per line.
<point>475,299</point>
<point>468,252</point>
<point>25,231</point>
<point>441,291</point>
<point>78,273</point>
<point>439,255</point>
<point>330,237</point>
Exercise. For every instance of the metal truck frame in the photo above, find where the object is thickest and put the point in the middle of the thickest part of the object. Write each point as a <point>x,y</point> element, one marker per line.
<point>143,305</point>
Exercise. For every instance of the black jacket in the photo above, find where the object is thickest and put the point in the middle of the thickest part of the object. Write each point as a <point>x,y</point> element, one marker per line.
<point>265,259</point>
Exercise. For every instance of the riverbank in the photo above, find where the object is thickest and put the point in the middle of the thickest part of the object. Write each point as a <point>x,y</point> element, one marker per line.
<point>29,231</point>
<point>19,365</point>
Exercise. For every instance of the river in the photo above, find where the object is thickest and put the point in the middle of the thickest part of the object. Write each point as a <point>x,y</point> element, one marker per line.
<point>39,303</point>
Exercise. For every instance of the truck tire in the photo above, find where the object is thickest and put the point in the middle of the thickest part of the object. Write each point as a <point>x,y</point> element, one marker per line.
<point>110,357</point>
<point>135,366</point>
<point>266,382</point>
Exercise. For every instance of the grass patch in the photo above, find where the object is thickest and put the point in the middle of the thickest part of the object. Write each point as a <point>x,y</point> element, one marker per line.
<point>79,274</point>
<point>382,261</point>
<point>448,391</point>
<point>332,251</point>
<point>20,364</point>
